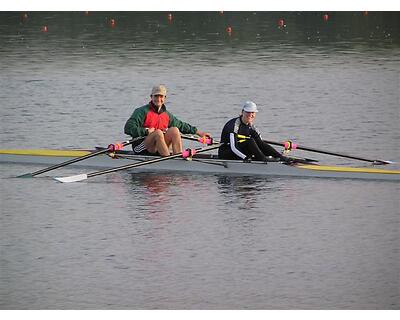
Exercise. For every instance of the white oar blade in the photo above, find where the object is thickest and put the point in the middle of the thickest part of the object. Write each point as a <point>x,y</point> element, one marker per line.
<point>78,177</point>
<point>380,162</point>
<point>390,162</point>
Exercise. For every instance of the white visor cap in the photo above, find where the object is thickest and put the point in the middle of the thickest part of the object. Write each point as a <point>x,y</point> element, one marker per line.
<point>250,106</point>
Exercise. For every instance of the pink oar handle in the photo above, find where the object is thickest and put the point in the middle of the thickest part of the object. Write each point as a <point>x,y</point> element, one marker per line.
<point>188,153</point>
<point>206,140</point>
<point>290,145</point>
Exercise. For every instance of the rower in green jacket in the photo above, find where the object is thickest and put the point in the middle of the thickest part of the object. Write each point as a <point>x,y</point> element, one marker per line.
<point>157,129</point>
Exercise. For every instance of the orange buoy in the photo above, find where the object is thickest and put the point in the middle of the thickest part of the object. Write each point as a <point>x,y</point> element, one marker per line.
<point>229,29</point>
<point>86,13</point>
<point>221,13</point>
<point>281,23</point>
<point>113,23</point>
<point>44,29</point>
<point>365,13</point>
<point>325,17</point>
<point>169,16</point>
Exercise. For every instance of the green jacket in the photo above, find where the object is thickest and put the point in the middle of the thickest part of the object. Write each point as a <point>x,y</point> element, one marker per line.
<point>148,117</point>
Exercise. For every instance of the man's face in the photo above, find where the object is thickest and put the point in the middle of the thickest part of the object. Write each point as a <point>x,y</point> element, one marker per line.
<point>248,117</point>
<point>158,100</point>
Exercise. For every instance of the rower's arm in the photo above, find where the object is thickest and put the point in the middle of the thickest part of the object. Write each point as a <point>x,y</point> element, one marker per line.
<point>265,147</point>
<point>134,125</point>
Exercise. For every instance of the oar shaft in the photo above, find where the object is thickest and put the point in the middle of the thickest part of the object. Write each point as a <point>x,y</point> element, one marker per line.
<point>328,152</point>
<point>343,155</point>
<point>65,163</point>
<point>130,166</point>
<point>133,165</point>
<point>139,164</point>
<point>203,140</point>
<point>245,137</point>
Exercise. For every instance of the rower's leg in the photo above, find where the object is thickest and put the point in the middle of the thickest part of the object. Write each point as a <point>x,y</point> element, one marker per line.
<point>155,143</point>
<point>173,138</point>
<point>269,151</point>
<point>255,150</point>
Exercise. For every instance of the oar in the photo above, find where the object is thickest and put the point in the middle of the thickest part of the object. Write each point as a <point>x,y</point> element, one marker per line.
<point>203,140</point>
<point>343,155</point>
<point>185,154</point>
<point>110,148</point>
<point>210,141</point>
<point>296,146</point>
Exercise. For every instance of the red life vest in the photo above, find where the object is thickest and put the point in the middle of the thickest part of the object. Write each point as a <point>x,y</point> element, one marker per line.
<point>156,120</point>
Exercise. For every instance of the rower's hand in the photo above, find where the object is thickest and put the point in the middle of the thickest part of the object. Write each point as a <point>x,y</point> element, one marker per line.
<point>203,134</point>
<point>150,130</point>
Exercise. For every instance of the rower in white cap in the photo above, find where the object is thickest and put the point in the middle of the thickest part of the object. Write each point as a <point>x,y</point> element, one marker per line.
<point>252,147</point>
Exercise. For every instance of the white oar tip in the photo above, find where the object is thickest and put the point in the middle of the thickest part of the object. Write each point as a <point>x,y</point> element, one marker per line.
<point>76,178</point>
<point>377,162</point>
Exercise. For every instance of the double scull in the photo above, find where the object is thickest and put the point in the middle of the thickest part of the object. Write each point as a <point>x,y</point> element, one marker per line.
<point>200,163</point>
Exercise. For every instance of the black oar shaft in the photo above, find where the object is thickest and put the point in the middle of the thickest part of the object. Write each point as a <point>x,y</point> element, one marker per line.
<point>65,163</point>
<point>133,165</point>
<point>328,152</point>
<point>216,141</point>
<point>343,155</point>
<point>139,164</point>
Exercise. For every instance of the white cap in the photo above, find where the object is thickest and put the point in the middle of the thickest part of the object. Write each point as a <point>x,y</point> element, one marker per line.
<point>250,106</point>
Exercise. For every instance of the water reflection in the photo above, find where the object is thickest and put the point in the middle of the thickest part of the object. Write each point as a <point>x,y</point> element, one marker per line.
<point>244,191</point>
<point>160,194</point>
<point>158,191</point>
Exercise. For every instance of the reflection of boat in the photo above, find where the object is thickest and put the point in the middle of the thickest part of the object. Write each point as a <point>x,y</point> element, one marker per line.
<point>202,163</point>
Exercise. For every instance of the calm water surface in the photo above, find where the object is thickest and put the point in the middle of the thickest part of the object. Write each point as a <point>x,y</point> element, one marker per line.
<point>169,241</point>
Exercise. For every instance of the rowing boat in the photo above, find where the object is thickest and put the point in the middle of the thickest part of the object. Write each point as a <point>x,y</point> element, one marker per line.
<point>201,163</point>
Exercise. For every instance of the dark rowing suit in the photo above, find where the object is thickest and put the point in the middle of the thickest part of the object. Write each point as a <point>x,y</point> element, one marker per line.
<point>254,148</point>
